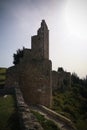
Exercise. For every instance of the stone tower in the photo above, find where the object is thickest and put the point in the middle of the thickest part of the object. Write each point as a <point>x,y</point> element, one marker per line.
<point>40,42</point>
<point>33,72</point>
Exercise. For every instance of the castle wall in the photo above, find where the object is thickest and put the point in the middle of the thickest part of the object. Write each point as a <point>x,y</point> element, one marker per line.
<point>33,72</point>
<point>35,82</point>
<point>37,51</point>
<point>61,80</point>
<point>11,76</point>
<point>54,80</point>
<point>40,42</point>
<point>34,79</point>
<point>46,45</point>
<point>26,119</point>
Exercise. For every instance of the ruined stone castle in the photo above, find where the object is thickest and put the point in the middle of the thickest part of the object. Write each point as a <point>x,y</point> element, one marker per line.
<point>61,80</point>
<point>34,72</point>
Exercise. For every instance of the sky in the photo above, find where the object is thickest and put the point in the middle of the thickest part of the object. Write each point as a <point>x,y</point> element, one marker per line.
<point>67,24</point>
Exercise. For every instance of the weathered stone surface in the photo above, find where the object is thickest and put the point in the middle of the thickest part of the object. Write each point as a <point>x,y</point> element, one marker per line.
<point>61,80</point>
<point>27,120</point>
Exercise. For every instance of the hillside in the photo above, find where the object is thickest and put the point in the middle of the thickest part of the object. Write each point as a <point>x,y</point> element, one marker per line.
<point>73,103</point>
<point>8,113</point>
<point>2,77</point>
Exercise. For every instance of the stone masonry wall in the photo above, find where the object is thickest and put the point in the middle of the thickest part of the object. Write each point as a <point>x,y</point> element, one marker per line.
<point>33,72</point>
<point>34,79</point>
<point>35,82</point>
<point>61,80</point>
<point>40,43</point>
<point>27,120</point>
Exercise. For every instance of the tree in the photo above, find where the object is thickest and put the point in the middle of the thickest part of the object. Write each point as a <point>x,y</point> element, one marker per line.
<point>75,79</point>
<point>17,56</point>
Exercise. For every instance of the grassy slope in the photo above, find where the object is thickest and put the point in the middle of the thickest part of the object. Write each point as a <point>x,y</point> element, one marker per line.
<point>73,105</point>
<point>8,114</point>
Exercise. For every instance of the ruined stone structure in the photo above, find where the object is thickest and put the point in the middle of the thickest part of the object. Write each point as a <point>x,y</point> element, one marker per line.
<point>27,120</point>
<point>61,80</point>
<point>33,72</point>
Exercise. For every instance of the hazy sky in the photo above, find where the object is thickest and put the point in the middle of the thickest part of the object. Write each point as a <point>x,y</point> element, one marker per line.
<point>66,20</point>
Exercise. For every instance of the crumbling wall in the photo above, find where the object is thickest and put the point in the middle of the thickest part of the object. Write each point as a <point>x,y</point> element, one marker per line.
<point>33,72</point>
<point>27,120</point>
<point>40,43</point>
<point>61,80</point>
<point>34,79</point>
<point>35,82</point>
<point>11,76</point>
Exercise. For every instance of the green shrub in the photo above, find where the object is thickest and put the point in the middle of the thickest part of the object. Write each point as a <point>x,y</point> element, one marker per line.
<point>82,124</point>
<point>70,110</point>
